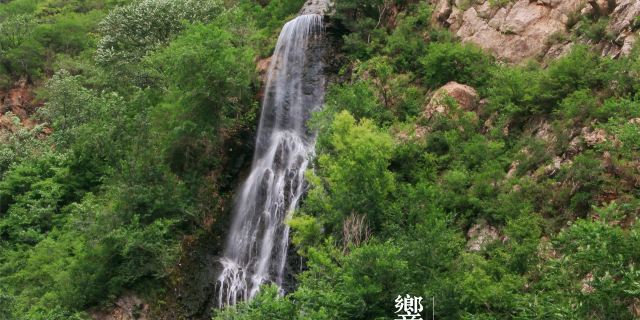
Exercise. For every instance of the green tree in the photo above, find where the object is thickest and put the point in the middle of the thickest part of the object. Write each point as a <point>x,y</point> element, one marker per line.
<point>450,61</point>
<point>131,31</point>
<point>355,171</point>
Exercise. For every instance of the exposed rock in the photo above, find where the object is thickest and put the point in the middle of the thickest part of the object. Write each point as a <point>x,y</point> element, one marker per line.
<point>544,132</point>
<point>262,66</point>
<point>523,29</point>
<point>416,133</point>
<point>19,100</point>
<point>526,16</point>
<point>192,293</point>
<point>558,50</point>
<point>587,288</point>
<point>480,235</point>
<point>623,16</point>
<point>512,33</point>
<point>465,96</point>
<point>454,20</point>
<point>498,19</point>
<point>627,44</point>
<point>555,166</point>
<point>127,307</point>
<point>607,162</point>
<point>316,7</point>
<point>588,137</point>
<point>490,123</point>
<point>441,12</point>
<point>594,137</point>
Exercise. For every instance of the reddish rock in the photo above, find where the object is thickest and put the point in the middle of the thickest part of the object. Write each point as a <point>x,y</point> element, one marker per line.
<point>262,66</point>
<point>20,100</point>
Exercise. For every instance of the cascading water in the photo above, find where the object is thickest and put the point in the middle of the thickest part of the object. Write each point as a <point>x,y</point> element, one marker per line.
<point>256,248</point>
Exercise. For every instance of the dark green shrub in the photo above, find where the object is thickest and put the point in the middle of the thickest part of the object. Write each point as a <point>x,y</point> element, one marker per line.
<point>580,69</point>
<point>449,61</point>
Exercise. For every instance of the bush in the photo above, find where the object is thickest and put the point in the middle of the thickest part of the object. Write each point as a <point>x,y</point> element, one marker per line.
<point>578,70</point>
<point>359,99</point>
<point>403,44</point>
<point>449,61</point>
<point>354,149</point>
<point>579,106</point>
<point>266,305</point>
<point>195,118</point>
<point>596,274</point>
<point>32,194</point>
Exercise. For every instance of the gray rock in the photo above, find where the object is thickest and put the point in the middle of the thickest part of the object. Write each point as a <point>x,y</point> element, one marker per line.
<point>322,7</point>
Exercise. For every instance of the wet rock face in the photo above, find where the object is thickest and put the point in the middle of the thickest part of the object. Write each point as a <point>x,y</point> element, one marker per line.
<point>526,28</point>
<point>191,289</point>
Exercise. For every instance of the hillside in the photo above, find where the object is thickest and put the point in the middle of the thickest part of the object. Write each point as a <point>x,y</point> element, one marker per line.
<point>482,154</point>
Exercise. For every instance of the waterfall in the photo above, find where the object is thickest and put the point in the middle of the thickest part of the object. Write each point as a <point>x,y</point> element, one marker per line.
<point>256,249</point>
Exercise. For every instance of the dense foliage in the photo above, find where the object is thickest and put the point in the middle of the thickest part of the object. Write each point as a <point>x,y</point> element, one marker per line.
<point>394,193</point>
<point>148,106</point>
<point>146,124</point>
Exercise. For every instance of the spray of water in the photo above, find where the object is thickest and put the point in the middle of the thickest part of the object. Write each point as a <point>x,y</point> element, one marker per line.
<point>256,249</point>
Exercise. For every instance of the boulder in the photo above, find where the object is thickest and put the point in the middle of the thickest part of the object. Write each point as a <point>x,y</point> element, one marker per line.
<point>465,96</point>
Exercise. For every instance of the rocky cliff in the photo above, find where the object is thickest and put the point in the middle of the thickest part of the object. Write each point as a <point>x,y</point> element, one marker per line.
<point>517,30</point>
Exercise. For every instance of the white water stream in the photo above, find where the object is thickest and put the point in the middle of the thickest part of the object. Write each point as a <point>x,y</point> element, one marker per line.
<point>256,249</point>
